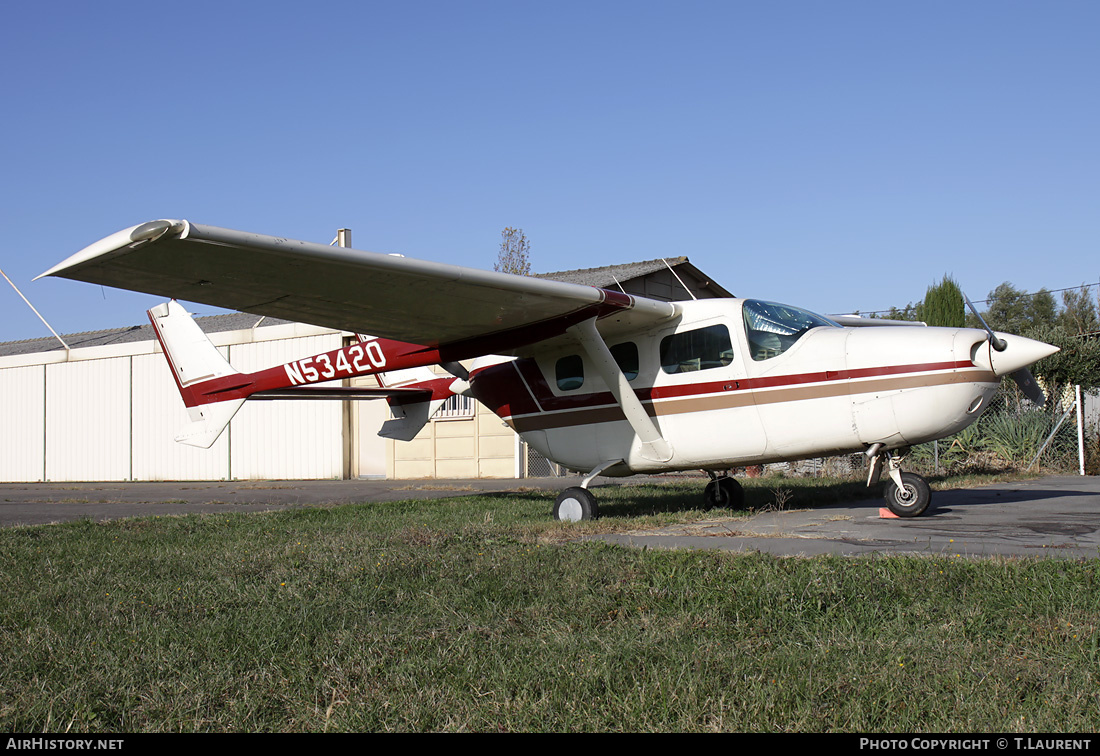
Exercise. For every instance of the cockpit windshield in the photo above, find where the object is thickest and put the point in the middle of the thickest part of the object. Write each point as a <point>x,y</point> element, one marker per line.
<point>773,328</point>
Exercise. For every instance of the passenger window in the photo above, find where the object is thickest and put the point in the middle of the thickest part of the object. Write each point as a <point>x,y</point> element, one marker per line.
<point>626,357</point>
<point>701,349</point>
<point>570,372</point>
<point>773,328</point>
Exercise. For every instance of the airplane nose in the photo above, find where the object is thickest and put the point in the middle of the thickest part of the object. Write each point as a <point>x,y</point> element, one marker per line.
<point>1019,352</point>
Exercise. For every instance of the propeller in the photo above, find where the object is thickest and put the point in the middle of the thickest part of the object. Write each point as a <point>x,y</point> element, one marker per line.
<point>1027,383</point>
<point>1023,377</point>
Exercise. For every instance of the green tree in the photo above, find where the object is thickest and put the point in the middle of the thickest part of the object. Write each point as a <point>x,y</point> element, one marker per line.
<point>515,253</point>
<point>1014,311</point>
<point>943,305</point>
<point>1077,362</point>
<point>1078,313</point>
<point>909,312</point>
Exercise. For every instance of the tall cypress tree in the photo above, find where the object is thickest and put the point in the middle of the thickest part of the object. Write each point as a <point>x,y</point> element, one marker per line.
<point>943,305</point>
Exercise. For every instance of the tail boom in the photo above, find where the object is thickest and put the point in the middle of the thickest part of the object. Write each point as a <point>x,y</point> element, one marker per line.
<point>213,391</point>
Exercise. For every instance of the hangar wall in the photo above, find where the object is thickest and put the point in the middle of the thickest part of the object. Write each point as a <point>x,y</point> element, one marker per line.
<point>110,413</point>
<point>478,445</point>
<point>23,407</point>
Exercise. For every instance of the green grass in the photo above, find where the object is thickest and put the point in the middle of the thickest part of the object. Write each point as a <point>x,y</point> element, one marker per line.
<point>480,614</point>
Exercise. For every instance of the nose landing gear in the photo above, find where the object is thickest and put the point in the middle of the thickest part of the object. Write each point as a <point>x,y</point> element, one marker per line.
<point>907,494</point>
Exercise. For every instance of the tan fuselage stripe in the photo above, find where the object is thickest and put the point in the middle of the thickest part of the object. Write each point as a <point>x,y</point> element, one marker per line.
<point>607,414</point>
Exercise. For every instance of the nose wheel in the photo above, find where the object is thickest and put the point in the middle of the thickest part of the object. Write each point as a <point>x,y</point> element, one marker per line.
<point>907,494</point>
<point>911,498</point>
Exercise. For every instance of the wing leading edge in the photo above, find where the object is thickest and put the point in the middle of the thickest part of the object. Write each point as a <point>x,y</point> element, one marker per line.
<point>463,312</point>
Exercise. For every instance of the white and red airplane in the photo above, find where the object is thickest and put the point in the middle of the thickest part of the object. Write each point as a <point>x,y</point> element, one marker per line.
<point>597,380</point>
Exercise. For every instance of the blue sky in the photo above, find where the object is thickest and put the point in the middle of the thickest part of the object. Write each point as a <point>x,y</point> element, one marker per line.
<point>835,155</point>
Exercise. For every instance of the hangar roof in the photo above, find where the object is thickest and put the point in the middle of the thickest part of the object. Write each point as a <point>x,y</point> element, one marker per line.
<point>233,321</point>
<point>679,271</point>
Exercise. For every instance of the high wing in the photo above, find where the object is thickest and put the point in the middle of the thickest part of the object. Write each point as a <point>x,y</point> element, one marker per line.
<point>462,312</point>
<point>855,321</point>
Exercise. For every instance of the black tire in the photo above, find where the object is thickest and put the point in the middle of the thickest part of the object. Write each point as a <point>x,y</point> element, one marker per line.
<point>912,500</point>
<point>723,493</point>
<point>574,504</point>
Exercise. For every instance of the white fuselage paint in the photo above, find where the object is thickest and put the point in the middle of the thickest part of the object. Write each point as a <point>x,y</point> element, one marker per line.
<point>836,390</point>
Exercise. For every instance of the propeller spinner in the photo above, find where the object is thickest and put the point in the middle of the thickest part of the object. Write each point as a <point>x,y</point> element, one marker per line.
<point>1008,354</point>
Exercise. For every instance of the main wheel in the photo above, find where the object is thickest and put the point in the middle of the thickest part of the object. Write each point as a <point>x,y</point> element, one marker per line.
<point>723,493</point>
<point>912,499</point>
<point>575,504</point>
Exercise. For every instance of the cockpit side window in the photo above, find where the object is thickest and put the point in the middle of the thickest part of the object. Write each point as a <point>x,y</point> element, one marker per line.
<point>773,328</point>
<point>699,349</point>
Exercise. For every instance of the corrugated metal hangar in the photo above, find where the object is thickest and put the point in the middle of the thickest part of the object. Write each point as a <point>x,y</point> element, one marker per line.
<point>107,408</point>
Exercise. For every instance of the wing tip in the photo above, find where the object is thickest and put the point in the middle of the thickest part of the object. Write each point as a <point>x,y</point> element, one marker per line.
<point>143,232</point>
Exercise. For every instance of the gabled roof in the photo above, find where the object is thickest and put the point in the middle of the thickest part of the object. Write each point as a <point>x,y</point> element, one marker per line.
<point>609,275</point>
<point>233,321</point>
<point>612,276</point>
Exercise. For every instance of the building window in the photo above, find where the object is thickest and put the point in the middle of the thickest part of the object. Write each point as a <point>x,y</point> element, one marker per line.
<point>457,407</point>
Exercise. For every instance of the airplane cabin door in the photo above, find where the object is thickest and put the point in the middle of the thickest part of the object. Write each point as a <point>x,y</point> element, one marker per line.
<point>702,398</point>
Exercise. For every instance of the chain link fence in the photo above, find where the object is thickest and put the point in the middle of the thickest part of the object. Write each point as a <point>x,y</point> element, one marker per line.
<point>1014,434</point>
<point>538,466</point>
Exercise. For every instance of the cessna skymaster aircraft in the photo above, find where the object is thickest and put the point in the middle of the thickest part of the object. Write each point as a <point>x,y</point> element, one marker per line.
<point>597,380</point>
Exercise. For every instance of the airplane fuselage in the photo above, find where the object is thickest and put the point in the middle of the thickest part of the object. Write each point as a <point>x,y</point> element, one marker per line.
<point>728,386</point>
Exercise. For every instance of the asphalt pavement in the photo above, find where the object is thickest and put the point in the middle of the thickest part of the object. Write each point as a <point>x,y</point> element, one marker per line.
<point>1047,517</point>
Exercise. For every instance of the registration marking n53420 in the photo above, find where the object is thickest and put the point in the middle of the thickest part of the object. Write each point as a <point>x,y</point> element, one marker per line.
<point>351,360</point>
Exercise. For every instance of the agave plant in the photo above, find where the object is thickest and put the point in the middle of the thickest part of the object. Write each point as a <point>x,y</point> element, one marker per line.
<point>1017,437</point>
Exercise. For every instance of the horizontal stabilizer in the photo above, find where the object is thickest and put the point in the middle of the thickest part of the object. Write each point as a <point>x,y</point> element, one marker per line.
<point>411,411</point>
<point>342,392</point>
<point>409,418</point>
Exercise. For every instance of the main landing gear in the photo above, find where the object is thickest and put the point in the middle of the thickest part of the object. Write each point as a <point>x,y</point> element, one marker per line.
<point>907,494</point>
<point>575,504</point>
<point>723,492</point>
<point>578,503</point>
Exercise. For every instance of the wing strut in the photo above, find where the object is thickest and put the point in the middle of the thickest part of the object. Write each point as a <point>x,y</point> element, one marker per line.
<point>654,445</point>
